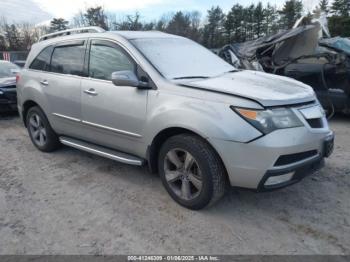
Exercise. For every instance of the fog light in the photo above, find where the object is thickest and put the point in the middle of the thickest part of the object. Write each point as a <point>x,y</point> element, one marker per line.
<point>275,180</point>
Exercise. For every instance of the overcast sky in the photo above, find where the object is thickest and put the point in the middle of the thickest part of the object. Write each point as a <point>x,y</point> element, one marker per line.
<point>37,11</point>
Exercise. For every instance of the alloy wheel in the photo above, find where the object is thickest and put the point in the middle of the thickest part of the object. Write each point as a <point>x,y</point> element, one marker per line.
<point>183,174</point>
<point>37,130</point>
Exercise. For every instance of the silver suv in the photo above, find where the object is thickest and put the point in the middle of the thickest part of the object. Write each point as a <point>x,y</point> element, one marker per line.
<point>163,100</point>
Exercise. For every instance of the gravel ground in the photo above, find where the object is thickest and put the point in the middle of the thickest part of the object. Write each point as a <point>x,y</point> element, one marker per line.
<point>71,202</point>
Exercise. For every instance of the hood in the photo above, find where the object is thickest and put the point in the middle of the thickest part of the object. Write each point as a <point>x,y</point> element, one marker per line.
<point>302,40</point>
<point>7,81</point>
<point>268,90</point>
<point>286,46</point>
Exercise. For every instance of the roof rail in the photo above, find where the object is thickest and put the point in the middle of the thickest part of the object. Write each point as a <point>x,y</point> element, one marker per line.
<point>81,30</point>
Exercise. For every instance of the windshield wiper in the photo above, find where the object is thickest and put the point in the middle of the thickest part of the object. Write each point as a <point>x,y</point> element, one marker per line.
<point>190,77</point>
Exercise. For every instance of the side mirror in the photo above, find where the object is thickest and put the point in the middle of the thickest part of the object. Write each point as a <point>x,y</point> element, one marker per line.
<point>125,78</point>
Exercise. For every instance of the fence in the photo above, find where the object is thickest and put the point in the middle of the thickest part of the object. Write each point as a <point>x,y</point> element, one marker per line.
<point>13,56</point>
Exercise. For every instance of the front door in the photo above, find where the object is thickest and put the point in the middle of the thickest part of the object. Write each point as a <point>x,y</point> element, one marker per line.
<point>114,116</point>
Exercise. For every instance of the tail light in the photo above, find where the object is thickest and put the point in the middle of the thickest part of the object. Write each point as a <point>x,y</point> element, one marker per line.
<point>17,78</point>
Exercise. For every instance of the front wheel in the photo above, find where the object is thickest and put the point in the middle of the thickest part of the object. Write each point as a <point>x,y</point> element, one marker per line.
<point>191,171</point>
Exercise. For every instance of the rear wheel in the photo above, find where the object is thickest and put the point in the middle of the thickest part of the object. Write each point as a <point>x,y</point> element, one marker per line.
<point>191,171</point>
<point>40,131</point>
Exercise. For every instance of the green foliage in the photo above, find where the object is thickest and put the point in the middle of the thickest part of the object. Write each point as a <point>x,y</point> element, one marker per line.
<point>95,16</point>
<point>131,23</point>
<point>182,23</point>
<point>247,23</point>
<point>291,12</point>
<point>213,32</point>
<point>58,24</point>
<point>339,26</point>
<point>324,6</point>
<point>341,8</point>
<point>13,37</point>
<point>240,24</point>
<point>233,23</point>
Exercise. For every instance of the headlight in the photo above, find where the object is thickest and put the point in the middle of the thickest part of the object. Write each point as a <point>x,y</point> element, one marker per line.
<point>267,121</point>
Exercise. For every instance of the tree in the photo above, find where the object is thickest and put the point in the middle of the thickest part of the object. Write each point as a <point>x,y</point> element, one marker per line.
<point>339,26</point>
<point>233,23</point>
<point>270,24</point>
<point>248,23</point>
<point>131,23</point>
<point>58,24</point>
<point>195,32</point>
<point>180,24</point>
<point>149,26</point>
<point>29,35</point>
<point>213,33</point>
<point>161,25</point>
<point>13,37</point>
<point>323,6</point>
<point>339,22</point>
<point>258,20</point>
<point>340,8</point>
<point>290,13</point>
<point>3,44</point>
<point>95,16</point>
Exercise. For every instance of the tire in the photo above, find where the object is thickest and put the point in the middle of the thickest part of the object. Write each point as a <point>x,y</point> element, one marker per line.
<point>176,156</point>
<point>40,131</point>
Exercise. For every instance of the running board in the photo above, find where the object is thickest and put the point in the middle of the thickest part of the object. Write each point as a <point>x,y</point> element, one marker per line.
<point>102,151</point>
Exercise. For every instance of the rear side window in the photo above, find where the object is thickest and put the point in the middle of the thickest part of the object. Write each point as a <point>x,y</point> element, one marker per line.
<point>68,59</point>
<point>42,61</point>
<point>106,58</point>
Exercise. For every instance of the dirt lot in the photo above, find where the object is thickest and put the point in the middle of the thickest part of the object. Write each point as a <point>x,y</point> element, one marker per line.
<point>71,202</point>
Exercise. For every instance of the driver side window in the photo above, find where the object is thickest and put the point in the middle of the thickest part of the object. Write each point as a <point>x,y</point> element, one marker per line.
<point>106,58</point>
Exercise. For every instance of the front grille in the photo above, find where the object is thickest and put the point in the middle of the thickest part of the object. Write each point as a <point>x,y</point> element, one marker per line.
<point>315,123</point>
<point>293,158</point>
<point>8,87</point>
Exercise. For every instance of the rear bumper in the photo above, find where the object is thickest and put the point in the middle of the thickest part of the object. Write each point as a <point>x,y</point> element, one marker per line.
<point>250,165</point>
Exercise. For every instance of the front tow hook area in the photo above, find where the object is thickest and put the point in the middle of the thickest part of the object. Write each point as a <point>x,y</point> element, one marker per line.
<point>328,145</point>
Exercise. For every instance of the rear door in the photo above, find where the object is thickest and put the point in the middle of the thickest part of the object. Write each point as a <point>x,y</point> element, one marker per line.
<point>62,86</point>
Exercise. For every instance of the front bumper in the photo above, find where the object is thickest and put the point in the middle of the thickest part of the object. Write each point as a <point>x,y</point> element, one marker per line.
<point>295,151</point>
<point>8,99</point>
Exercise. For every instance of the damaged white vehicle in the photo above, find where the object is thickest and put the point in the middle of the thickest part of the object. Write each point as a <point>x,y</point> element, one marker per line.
<point>306,53</point>
<point>163,100</point>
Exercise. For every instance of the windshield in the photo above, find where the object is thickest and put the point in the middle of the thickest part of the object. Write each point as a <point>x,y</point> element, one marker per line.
<point>8,69</point>
<point>181,58</point>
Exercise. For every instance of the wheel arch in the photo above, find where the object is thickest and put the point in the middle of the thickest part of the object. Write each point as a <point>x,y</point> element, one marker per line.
<point>161,137</point>
<point>26,106</point>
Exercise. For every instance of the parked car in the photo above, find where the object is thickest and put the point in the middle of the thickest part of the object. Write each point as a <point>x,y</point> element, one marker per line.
<point>8,97</point>
<point>20,63</point>
<point>299,53</point>
<point>192,117</point>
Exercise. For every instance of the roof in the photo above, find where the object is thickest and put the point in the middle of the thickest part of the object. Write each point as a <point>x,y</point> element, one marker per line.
<point>142,34</point>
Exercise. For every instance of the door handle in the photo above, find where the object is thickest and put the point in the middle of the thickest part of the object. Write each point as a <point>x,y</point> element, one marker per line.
<point>91,92</point>
<point>44,82</point>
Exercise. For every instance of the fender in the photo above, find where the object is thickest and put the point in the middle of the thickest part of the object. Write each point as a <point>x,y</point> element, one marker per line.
<point>208,119</point>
